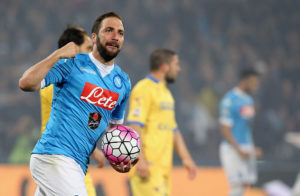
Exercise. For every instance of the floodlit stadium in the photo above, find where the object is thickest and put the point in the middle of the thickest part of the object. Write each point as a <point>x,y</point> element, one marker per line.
<point>214,40</point>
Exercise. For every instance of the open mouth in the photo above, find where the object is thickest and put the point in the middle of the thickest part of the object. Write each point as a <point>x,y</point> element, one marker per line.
<point>113,45</point>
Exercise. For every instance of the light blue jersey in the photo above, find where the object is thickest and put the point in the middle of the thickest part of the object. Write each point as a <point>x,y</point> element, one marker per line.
<point>237,111</point>
<point>85,101</point>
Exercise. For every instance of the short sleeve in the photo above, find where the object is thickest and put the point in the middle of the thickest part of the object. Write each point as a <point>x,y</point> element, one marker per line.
<point>139,105</point>
<point>59,72</point>
<point>226,116</point>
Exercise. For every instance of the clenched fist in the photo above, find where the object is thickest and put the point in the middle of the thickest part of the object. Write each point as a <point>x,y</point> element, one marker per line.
<point>68,51</point>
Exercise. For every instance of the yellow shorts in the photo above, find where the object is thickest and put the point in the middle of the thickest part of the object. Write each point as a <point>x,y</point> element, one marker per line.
<point>89,185</point>
<point>155,185</point>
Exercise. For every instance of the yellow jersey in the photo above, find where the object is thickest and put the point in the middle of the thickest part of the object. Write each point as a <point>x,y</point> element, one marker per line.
<point>151,105</point>
<point>46,95</point>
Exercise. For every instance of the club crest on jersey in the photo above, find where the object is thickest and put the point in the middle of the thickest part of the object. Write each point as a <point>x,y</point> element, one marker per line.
<point>247,111</point>
<point>99,96</point>
<point>117,81</point>
<point>94,120</point>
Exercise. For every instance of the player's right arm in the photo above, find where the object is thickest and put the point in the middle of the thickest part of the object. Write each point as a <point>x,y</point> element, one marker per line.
<point>226,133</point>
<point>226,123</point>
<point>32,77</point>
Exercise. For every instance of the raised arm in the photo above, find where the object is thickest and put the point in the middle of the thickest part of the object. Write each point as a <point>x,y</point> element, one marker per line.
<point>32,77</point>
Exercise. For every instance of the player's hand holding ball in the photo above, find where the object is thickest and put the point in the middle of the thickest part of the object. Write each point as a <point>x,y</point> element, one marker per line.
<point>123,168</point>
<point>121,146</point>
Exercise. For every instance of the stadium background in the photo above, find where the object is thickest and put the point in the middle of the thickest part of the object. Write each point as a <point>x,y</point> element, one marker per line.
<point>214,40</point>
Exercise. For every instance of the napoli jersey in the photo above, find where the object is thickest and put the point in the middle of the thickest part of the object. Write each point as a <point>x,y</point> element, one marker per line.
<point>84,101</point>
<point>237,111</point>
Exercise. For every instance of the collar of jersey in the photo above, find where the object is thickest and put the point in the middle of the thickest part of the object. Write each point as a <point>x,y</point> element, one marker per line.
<point>239,92</point>
<point>152,78</point>
<point>103,69</point>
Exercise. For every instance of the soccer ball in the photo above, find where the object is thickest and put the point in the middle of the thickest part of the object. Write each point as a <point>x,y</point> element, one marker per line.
<point>120,144</point>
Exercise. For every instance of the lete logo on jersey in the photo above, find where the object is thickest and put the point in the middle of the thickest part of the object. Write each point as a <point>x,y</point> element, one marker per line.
<point>99,96</point>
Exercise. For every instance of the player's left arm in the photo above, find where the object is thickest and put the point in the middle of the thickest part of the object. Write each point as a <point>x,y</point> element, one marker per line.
<point>117,118</point>
<point>99,157</point>
<point>184,154</point>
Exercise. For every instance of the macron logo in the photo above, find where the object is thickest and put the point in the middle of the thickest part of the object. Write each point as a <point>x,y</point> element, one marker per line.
<point>88,70</point>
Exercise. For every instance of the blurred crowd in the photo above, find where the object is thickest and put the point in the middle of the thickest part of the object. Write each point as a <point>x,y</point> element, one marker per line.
<point>214,39</point>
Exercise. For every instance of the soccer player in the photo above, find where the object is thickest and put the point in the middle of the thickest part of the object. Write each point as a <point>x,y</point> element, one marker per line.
<point>151,114</point>
<point>237,151</point>
<point>90,91</point>
<point>81,38</point>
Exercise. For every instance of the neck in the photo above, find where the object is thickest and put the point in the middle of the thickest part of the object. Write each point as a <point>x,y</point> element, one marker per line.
<point>100,58</point>
<point>159,76</point>
<point>242,88</point>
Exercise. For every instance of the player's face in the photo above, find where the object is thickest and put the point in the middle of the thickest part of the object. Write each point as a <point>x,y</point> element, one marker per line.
<point>110,38</point>
<point>86,46</point>
<point>252,84</point>
<point>174,69</point>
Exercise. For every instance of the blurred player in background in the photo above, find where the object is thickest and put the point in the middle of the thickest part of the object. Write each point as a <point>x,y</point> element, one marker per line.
<point>81,38</point>
<point>151,114</point>
<point>90,91</point>
<point>237,151</point>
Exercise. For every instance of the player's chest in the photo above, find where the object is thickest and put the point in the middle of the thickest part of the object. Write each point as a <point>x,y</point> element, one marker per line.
<point>163,100</point>
<point>245,110</point>
<point>105,92</point>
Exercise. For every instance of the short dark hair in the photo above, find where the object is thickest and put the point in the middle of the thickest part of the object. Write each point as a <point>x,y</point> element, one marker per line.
<point>72,34</point>
<point>160,56</point>
<point>248,72</point>
<point>98,21</point>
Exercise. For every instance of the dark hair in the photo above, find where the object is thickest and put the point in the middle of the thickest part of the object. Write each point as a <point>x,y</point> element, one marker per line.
<point>160,56</point>
<point>72,34</point>
<point>247,72</point>
<point>98,21</point>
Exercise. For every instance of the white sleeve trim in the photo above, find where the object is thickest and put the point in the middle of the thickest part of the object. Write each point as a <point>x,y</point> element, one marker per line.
<point>226,121</point>
<point>112,121</point>
<point>43,83</point>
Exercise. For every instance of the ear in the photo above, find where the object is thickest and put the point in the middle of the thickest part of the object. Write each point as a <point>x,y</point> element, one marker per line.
<point>165,67</point>
<point>94,38</point>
